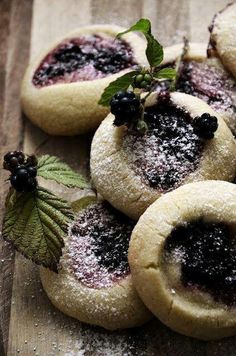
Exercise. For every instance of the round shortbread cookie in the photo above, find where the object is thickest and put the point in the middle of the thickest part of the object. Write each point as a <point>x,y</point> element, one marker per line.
<point>182,259</point>
<point>94,284</point>
<point>61,96</point>
<point>124,166</point>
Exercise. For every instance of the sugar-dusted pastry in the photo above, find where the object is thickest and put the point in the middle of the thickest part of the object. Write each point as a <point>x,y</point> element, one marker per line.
<point>62,86</point>
<point>182,258</point>
<point>94,283</point>
<point>186,141</point>
<point>223,36</point>
<point>206,78</point>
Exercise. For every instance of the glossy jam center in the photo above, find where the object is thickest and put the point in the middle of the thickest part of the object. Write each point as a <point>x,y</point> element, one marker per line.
<point>168,152</point>
<point>208,83</point>
<point>207,254</point>
<point>85,58</point>
<point>98,246</point>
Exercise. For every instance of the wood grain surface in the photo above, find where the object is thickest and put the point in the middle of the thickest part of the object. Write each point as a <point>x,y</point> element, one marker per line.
<point>29,324</point>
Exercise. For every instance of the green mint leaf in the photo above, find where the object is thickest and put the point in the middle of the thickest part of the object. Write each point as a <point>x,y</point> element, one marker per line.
<point>154,50</point>
<point>35,223</point>
<point>143,25</point>
<point>165,73</point>
<point>121,83</point>
<point>50,167</point>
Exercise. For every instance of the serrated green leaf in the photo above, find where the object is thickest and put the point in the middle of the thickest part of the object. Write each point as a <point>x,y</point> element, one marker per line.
<point>142,25</point>
<point>35,223</point>
<point>165,73</point>
<point>154,50</point>
<point>121,83</point>
<point>50,167</point>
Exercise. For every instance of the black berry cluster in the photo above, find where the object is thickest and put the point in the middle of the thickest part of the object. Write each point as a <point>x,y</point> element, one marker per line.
<point>126,107</point>
<point>23,171</point>
<point>205,126</point>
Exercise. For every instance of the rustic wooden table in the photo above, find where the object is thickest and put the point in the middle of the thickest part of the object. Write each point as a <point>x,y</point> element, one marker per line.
<point>29,325</point>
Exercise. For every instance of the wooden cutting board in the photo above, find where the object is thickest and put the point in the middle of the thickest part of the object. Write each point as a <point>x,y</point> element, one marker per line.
<point>29,324</point>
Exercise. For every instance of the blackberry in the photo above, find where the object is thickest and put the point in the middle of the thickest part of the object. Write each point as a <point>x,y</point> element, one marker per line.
<point>12,160</point>
<point>23,179</point>
<point>205,126</point>
<point>126,108</point>
<point>31,161</point>
<point>23,170</point>
<point>32,171</point>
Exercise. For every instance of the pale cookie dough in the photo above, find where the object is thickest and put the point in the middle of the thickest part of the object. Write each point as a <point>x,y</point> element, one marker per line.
<point>223,36</point>
<point>98,293</point>
<point>115,178</point>
<point>189,310</point>
<point>206,78</point>
<point>72,108</point>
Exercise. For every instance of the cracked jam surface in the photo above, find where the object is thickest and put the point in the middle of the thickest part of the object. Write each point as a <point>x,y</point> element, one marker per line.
<point>84,58</point>
<point>168,152</point>
<point>98,246</point>
<point>208,83</point>
<point>207,255</point>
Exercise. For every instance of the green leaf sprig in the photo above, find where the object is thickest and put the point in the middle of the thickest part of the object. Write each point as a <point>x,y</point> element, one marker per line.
<point>154,51</point>
<point>36,220</point>
<point>154,54</point>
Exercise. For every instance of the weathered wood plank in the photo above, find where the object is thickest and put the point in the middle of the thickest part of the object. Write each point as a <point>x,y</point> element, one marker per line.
<point>170,20</point>
<point>14,43</point>
<point>41,329</point>
<point>5,7</point>
<point>201,13</point>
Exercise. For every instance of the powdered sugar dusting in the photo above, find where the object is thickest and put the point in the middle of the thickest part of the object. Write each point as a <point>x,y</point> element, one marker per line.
<point>213,85</point>
<point>168,152</point>
<point>98,246</point>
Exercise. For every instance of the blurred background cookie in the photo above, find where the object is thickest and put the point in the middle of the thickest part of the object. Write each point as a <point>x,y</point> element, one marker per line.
<point>62,87</point>
<point>223,36</point>
<point>204,77</point>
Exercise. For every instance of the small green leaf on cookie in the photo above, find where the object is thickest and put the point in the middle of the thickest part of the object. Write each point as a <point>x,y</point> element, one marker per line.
<point>122,83</point>
<point>154,50</point>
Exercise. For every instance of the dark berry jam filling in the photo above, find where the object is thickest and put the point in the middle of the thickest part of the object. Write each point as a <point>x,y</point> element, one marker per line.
<point>168,152</point>
<point>208,83</point>
<point>207,253</point>
<point>84,58</point>
<point>98,246</point>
